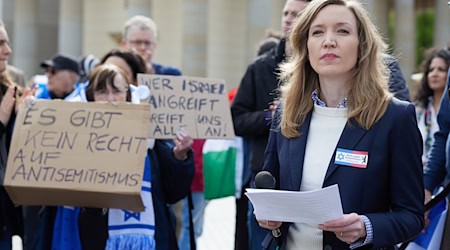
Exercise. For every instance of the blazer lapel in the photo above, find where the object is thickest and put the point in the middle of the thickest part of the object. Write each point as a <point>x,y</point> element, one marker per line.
<point>297,148</point>
<point>350,137</point>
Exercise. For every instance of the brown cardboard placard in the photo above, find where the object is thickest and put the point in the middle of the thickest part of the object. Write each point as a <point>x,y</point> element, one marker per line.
<point>78,154</point>
<point>200,105</point>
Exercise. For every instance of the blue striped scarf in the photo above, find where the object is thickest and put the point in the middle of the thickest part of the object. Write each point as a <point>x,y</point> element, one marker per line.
<point>130,230</point>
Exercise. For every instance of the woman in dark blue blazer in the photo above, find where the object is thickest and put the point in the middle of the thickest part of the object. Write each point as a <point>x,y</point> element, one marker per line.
<point>338,124</point>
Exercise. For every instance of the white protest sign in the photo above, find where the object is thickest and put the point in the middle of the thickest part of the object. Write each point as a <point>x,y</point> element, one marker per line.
<point>79,154</point>
<point>200,105</point>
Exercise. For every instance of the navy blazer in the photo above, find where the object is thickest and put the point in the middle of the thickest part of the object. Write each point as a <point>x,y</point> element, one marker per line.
<point>389,191</point>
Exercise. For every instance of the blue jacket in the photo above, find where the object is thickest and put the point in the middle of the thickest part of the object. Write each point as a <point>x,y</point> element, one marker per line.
<point>166,70</point>
<point>171,181</point>
<point>389,191</point>
<point>437,170</point>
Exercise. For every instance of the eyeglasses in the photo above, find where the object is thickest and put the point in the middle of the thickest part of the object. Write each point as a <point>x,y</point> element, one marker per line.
<point>51,70</point>
<point>139,43</point>
<point>4,44</point>
<point>114,92</point>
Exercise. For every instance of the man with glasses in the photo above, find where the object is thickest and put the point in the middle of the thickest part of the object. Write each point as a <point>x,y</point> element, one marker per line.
<point>62,72</point>
<point>140,34</point>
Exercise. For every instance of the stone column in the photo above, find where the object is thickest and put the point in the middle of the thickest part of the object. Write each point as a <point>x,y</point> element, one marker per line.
<point>103,21</point>
<point>195,25</point>
<point>70,35</point>
<point>138,7</point>
<point>25,34</point>
<point>442,24</point>
<point>7,16</point>
<point>276,14</point>
<point>379,13</point>
<point>258,23</point>
<point>405,37</point>
<point>47,19</point>
<point>1,10</point>
<point>168,17</point>
<point>227,44</point>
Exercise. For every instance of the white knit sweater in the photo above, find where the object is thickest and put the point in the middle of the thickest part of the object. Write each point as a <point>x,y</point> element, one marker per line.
<point>324,132</point>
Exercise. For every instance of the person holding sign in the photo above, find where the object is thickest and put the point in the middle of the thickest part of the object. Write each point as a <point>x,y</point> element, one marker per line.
<point>131,63</point>
<point>338,124</point>
<point>168,173</point>
<point>62,72</point>
<point>11,96</point>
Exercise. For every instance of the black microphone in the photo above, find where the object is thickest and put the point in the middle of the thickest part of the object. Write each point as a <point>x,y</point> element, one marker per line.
<point>265,180</point>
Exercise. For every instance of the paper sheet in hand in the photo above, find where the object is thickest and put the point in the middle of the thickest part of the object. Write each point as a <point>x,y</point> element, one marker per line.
<point>313,207</point>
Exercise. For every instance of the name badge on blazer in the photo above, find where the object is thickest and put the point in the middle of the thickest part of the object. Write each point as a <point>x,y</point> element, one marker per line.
<point>351,158</point>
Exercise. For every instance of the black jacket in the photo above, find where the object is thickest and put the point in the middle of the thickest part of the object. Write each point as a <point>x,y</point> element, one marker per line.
<point>256,91</point>
<point>10,216</point>
<point>397,83</point>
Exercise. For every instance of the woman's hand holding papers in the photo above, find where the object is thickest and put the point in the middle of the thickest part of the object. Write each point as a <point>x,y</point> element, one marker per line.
<point>349,228</point>
<point>268,224</point>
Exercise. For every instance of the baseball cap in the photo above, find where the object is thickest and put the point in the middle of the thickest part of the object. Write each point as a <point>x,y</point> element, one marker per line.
<point>62,62</point>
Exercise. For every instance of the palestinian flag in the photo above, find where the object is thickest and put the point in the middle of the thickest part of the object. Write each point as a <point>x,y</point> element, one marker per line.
<point>223,162</point>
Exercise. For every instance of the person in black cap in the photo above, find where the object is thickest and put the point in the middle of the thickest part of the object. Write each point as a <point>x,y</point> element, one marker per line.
<point>62,72</point>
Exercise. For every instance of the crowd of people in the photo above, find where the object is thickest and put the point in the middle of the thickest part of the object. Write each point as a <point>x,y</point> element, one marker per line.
<point>318,95</point>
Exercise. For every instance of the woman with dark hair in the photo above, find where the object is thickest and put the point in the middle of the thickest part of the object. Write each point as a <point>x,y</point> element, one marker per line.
<point>429,94</point>
<point>107,82</point>
<point>167,162</point>
<point>128,61</point>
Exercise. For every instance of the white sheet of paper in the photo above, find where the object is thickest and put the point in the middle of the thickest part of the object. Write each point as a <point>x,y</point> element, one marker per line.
<point>313,207</point>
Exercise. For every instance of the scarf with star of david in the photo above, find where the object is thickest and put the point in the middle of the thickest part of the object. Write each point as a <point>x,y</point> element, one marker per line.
<point>130,230</point>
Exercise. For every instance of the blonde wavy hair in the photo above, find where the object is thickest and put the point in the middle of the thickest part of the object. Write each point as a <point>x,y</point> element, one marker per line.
<point>368,97</point>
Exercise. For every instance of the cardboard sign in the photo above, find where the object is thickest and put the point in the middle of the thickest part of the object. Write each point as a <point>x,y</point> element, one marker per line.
<point>78,154</point>
<point>199,105</point>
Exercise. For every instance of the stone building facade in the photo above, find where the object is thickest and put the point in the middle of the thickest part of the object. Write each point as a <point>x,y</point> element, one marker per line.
<point>206,38</point>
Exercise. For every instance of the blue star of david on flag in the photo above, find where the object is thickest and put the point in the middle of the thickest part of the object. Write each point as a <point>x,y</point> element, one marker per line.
<point>340,156</point>
<point>129,215</point>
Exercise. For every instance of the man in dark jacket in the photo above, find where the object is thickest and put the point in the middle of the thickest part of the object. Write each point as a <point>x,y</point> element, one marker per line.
<point>258,91</point>
<point>250,108</point>
<point>397,83</point>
